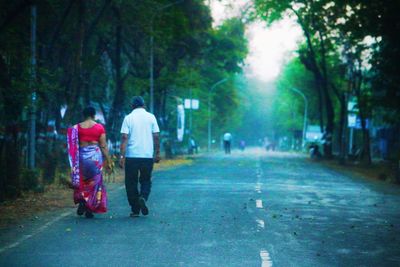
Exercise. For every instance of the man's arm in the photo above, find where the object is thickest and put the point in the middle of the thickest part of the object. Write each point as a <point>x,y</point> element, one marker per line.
<point>156,142</point>
<point>122,149</point>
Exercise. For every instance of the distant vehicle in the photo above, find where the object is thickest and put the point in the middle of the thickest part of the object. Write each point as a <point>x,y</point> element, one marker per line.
<point>313,136</point>
<point>313,133</point>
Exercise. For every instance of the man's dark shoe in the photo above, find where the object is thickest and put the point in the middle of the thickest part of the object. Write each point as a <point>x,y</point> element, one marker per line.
<point>81,209</point>
<point>89,214</point>
<point>134,215</point>
<point>143,207</point>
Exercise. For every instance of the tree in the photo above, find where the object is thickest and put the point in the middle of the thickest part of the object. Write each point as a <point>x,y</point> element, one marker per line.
<point>97,53</point>
<point>336,51</point>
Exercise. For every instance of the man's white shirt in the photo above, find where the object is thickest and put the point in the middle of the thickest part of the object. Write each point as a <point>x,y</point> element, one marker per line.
<point>227,137</point>
<point>139,125</point>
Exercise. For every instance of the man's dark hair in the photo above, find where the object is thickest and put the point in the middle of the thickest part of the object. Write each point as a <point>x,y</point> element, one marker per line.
<point>137,102</point>
<point>89,112</point>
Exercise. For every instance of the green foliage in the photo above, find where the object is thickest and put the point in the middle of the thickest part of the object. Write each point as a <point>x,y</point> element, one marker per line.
<point>98,52</point>
<point>29,179</point>
<point>351,48</point>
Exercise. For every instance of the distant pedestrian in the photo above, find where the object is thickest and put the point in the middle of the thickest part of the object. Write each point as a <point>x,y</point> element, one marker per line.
<point>192,146</point>
<point>242,145</point>
<point>86,147</point>
<point>140,148</point>
<point>227,142</point>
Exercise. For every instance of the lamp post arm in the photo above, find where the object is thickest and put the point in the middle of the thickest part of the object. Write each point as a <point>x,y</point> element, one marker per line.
<point>300,93</point>
<point>217,83</point>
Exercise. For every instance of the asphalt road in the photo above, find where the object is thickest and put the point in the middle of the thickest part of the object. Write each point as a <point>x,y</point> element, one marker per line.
<point>245,209</point>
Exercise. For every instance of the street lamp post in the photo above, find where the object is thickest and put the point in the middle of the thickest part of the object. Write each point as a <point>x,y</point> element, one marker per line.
<point>305,113</point>
<point>32,132</point>
<point>151,66</point>
<point>209,111</point>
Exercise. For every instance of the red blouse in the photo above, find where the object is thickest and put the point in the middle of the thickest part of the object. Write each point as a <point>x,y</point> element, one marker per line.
<point>91,134</point>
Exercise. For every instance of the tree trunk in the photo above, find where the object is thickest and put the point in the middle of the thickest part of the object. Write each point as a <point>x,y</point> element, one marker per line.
<point>9,155</point>
<point>366,151</point>
<point>329,125</point>
<point>320,102</point>
<point>330,113</point>
<point>362,106</point>
<point>74,99</point>
<point>342,129</point>
<point>164,108</point>
<point>118,102</point>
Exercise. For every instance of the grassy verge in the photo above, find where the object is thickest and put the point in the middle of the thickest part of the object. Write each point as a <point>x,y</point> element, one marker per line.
<point>59,196</point>
<point>378,170</point>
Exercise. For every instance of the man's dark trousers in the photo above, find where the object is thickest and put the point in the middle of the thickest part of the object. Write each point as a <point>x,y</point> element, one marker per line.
<point>227,146</point>
<point>138,170</point>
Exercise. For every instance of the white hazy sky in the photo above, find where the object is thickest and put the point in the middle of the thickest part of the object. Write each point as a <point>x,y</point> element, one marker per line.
<point>269,48</point>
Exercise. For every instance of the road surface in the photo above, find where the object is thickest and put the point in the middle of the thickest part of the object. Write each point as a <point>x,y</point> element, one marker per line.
<point>245,209</point>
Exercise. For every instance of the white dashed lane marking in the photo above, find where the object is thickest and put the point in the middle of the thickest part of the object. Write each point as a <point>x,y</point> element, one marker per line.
<point>265,259</point>
<point>260,223</point>
<point>259,203</point>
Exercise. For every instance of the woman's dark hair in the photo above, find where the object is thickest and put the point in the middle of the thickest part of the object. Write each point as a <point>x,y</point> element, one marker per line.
<point>89,112</point>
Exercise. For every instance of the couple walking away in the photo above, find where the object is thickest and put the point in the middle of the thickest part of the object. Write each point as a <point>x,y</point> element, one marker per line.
<point>87,146</point>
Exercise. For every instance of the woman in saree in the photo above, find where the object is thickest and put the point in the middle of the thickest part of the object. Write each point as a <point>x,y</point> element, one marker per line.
<point>87,146</point>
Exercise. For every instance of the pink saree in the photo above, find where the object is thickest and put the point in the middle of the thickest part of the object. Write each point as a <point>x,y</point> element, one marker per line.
<point>86,173</point>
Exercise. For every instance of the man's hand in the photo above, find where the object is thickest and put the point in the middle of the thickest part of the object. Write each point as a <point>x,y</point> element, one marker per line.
<point>157,158</point>
<point>109,166</point>
<point>122,162</point>
<point>124,141</point>
<point>156,141</point>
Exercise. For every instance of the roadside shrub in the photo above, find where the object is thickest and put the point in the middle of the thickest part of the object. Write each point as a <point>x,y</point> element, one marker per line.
<point>29,179</point>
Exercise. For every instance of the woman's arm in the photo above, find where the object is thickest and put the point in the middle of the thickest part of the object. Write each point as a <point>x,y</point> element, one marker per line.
<point>104,148</point>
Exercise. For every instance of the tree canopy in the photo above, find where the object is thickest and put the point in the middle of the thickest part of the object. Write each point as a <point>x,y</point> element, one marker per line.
<point>349,49</point>
<point>98,53</point>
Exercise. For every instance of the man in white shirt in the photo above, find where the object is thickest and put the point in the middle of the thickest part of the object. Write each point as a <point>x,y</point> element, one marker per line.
<point>140,148</point>
<point>227,143</point>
